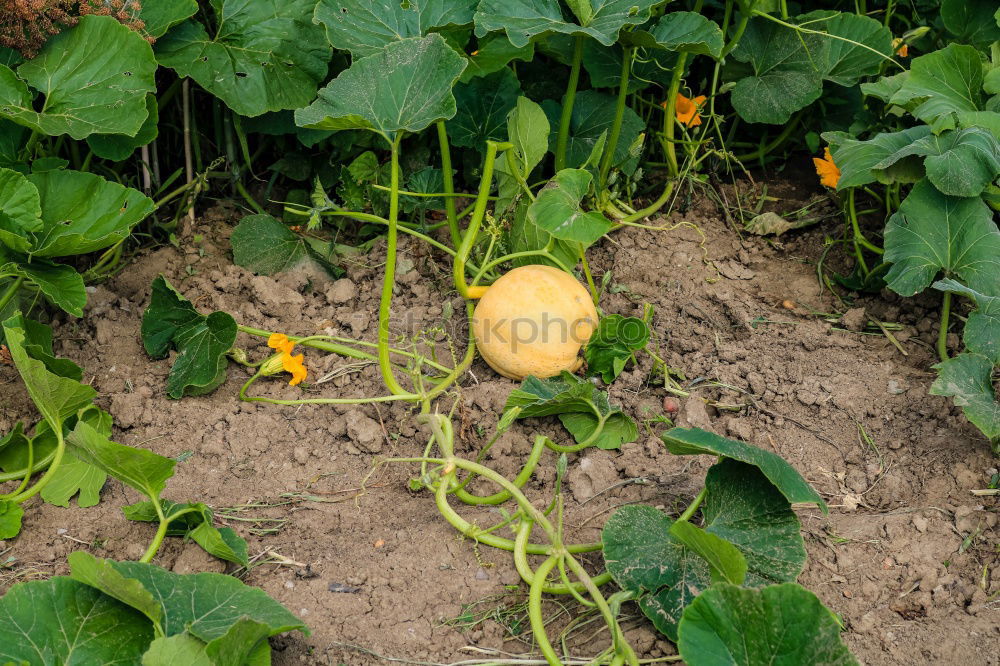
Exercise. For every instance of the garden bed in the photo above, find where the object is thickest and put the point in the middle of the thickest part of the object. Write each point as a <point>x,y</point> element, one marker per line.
<point>906,557</point>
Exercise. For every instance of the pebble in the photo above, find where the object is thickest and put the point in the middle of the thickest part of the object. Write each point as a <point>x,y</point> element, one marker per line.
<point>301,455</point>
<point>481,574</point>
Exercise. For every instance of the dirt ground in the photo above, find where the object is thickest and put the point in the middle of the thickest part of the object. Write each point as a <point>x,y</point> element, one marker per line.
<point>907,556</point>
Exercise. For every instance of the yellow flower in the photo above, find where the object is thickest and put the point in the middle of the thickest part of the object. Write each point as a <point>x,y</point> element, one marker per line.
<point>289,363</point>
<point>294,365</point>
<point>827,171</point>
<point>280,342</point>
<point>688,110</point>
<point>900,47</point>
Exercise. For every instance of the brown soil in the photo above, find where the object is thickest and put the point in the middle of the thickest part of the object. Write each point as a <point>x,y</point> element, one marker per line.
<point>907,556</point>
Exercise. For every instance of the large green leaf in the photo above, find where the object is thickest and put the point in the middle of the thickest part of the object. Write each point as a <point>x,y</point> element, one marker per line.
<point>616,339</point>
<point>59,282</point>
<point>981,334</point>
<point>84,94</point>
<point>140,469</point>
<point>971,21</point>
<point>960,163</point>
<point>858,47</point>
<point>267,55</point>
<point>20,210</point>
<point>244,644</point>
<point>577,402</point>
<point>860,162</point>
<point>694,441</point>
<point>73,476</point>
<point>161,15</point>
<point>725,561</point>
<point>207,605</point>
<point>968,379</point>
<point>406,86</point>
<point>590,124</point>
<point>118,147</point>
<point>944,81</point>
<point>266,246</point>
<point>780,625</point>
<point>932,232</point>
<point>99,574</point>
<point>56,398</point>
<point>525,236</point>
<point>742,507</point>
<point>177,649</point>
<point>785,75</point>
<point>482,106</point>
<point>62,621</point>
<point>363,27</point>
<point>558,211</point>
<point>525,20</point>
<point>494,53</point>
<point>83,212</point>
<point>10,519</point>
<point>688,32</point>
<point>171,321</point>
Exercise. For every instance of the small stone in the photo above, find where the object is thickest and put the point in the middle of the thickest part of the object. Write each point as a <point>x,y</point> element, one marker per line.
<point>301,455</point>
<point>379,543</point>
<point>920,523</point>
<point>341,291</point>
<point>289,584</point>
<point>481,574</point>
<point>854,319</point>
<point>895,387</point>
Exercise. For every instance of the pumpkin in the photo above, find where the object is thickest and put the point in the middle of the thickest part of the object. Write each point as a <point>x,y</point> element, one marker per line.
<point>534,320</point>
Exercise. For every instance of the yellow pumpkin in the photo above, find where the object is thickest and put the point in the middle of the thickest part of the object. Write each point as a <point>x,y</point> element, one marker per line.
<point>533,321</point>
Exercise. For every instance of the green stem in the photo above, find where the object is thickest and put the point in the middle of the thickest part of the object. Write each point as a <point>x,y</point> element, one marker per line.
<point>448,181</point>
<point>616,127</point>
<point>249,199</point>
<point>669,125</point>
<point>562,139</point>
<point>38,466</point>
<point>472,231</point>
<point>688,512</point>
<point>50,472</point>
<point>590,278</point>
<point>653,207</point>
<point>777,141</point>
<point>10,292</point>
<point>519,480</point>
<point>942,341</point>
<point>161,532</point>
<point>389,277</point>
<point>853,217</point>
<point>411,397</point>
<point>535,616</point>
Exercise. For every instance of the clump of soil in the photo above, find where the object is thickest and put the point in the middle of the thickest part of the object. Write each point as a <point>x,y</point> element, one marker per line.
<point>907,555</point>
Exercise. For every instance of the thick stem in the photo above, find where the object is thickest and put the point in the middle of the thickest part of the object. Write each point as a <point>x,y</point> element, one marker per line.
<point>942,341</point>
<point>472,231</point>
<point>607,160</point>
<point>161,532</point>
<point>50,472</point>
<point>562,139</point>
<point>11,291</point>
<point>669,125</point>
<point>448,181</point>
<point>535,611</point>
<point>389,278</point>
<point>688,512</point>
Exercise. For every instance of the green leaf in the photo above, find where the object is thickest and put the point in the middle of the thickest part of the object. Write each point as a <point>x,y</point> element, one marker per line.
<point>494,53</point>
<point>222,542</point>
<point>177,649</point>
<point>62,621</point>
<point>932,232</point>
<point>944,81</point>
<point>119,147</point>
<point>526,20</point>
<point>363,27</point>
<point>968,379</point>
<point>84,94</point>
<point>202,342</point>
<point>981,334</point>
<point>524,236</point>
<point>885,87</point>
<point>786,72</point>
<point>694,441</point>
<point>860,161</point>
<point>10,521</point>
<point>194,521</point>
<point>207,605</point>
<point>725,561</point>
<point>99,574</point>
<point>742,507</point>
<point>83,212</point>
<point>577,403</point>
<point>688,32</point>
<point>71,477</point>
<point>406,86</point>
<point>971,21</point>
<point>59,282</point>
<point>613,343</point>
<point>960,163</point>
<point>482,106</point>
<point>593,116</point>
<point>557,209</point>
<point>55,397</point>
<point>265,56</point>
<point>38,344</point>
<point>161,15</point>
<point>265,246</point>
<point>140,469</point>
<point>781,625</point>
<point>20,210</point>
<point>236,646</point>
<point>528,130</point>
<point>864,45</point>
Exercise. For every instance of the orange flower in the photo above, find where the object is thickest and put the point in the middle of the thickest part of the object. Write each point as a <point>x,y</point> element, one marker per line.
<point>688,110</point>
<point>291,364</point>
<point>900,47</point>
<point>827,171</point>
<point>294,365</point>
<point>280,342</point>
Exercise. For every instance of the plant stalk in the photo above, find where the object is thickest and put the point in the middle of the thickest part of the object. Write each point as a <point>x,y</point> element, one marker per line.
<point>562,139</point>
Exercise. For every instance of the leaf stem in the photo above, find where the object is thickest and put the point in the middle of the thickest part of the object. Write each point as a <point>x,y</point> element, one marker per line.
<point>50,472</point>
<point>942,341</point>
<point>389,277</point>
<point>562,139</point>
<point>607,160</point>
<point>10,292</point>
<point>448,181</point>
<point>688,512</point>
<point>161,532</point>
<point>472,230</point>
